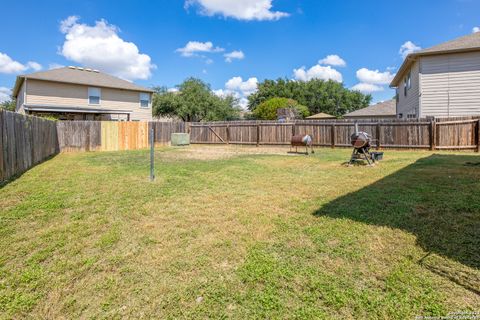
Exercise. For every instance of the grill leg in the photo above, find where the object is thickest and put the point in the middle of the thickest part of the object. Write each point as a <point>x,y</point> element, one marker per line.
<point>367,158</point>
<point>351,157</point>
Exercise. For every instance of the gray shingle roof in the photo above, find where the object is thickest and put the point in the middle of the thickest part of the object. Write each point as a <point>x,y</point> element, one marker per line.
<point>382,109</point>
<point>470,42</point>
<point>80,76</point>
<point>321,115</point>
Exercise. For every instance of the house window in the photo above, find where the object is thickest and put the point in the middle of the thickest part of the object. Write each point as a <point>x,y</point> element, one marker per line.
<point>400,115</point>
<point>94,95</point>
<point>144,100</point>
<point>411,116</point>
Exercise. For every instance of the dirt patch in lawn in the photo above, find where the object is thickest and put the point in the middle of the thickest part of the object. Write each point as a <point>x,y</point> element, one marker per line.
<point>209,152</point>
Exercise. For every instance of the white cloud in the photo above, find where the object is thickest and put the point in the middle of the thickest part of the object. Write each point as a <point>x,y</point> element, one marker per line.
<point>229,57</point>
<point>367,87</point>
<point>317,72</point>
<point>5,94</point>
<point>333,60</point>
<point>246,88</point>
<point>8,65</point>
<point>221,92</point>
<point>241,10</point>
<point>192,48</point>
<point>239,89</point>
<point>476,29</point>
<point>374,76</point>
<point>55,66</point>
<point>100,47</point>
<point>35,66</point>
<point>66,24</point>
<point>372,80</point>
<point>408,48</point>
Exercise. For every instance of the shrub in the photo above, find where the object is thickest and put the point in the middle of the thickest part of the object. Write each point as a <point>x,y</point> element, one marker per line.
<point>268,110</point>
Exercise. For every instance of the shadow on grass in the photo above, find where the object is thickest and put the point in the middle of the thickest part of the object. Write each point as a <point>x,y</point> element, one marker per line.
<point>436,198</point>
<point>4,183</point>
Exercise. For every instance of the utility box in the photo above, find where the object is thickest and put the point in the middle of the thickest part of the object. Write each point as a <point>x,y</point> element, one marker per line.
<point>180,139</point>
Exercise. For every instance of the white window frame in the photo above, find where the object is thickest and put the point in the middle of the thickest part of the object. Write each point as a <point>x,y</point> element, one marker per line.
<point>141,97</point>
<point>94,92</point>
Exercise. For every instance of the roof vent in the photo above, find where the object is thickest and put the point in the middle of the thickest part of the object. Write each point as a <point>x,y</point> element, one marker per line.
<point>95,70</point>
<point>88,69</point>
<point>71,67</point>
<point>79,68</point>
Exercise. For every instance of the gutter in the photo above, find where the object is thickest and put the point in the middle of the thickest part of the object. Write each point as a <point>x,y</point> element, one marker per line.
<point>74,110</point>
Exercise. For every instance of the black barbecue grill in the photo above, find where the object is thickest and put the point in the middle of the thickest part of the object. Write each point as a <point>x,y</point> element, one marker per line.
<point>361,147</point>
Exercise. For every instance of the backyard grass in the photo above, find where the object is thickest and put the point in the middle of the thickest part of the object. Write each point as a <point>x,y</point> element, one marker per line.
<point>223,233</point>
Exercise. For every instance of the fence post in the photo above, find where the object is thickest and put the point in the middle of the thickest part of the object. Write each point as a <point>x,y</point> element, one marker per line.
<point>378,136</point>
<point>258,134</point>
<point>228,133</point>
<point>293,129</point>
<point>433,135</point>
<point>333,135</point>
<point>478,135</point>
<point>2,170</point>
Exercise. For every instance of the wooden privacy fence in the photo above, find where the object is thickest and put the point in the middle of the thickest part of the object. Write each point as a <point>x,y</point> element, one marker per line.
<point>113,136</point>
<point>25,141</point>
<point>433,135</point>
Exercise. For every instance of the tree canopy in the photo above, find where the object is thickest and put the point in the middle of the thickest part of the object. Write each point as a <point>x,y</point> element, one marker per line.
<point>9,105</point>
<point>194,101</point>
<point>318,95</point>
<point>267,110</point>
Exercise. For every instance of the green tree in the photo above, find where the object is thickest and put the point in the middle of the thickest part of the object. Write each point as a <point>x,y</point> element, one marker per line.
<point>9,105</point>
<point>318,95</point>
<point>267,110</point>
<point>194,101</point>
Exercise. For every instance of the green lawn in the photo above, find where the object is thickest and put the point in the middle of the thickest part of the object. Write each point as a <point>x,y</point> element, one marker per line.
<point>223,233</point>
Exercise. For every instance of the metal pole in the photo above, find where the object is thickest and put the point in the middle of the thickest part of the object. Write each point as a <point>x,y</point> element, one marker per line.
<point>152,155</point>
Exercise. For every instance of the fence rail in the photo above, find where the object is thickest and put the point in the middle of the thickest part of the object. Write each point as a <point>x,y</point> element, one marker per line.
<point>421,134</point>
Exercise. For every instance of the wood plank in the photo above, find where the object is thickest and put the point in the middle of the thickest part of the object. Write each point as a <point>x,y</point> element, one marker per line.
<point>2,151</point>
<point>433,135</point>
<point>478,136</point>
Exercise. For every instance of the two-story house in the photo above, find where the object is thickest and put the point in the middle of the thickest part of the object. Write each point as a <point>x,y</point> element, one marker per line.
<point>74,93</point>
<point>441,81</point>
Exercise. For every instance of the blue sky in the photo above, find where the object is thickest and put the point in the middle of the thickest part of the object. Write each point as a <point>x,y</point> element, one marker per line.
<point>148,41</point>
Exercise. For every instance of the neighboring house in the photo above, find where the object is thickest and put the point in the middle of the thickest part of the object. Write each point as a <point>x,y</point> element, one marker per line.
<point>441,81</point>
<point>321,116</point>
<point>74,93</point>
<point>382,110</point>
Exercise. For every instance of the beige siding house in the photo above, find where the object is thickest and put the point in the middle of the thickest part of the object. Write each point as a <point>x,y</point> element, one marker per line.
<point>74,93</point>
<point>441,81</point>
